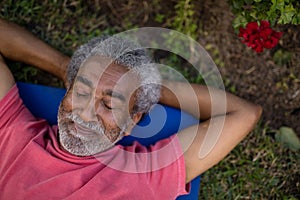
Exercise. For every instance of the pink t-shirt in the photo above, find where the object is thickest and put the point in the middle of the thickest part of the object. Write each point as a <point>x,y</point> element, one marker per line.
<point>32,165</point>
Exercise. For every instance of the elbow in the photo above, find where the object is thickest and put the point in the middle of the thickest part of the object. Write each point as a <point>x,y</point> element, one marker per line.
<point>250,117</point>
<point>255,113</point>
<point>258,111</point>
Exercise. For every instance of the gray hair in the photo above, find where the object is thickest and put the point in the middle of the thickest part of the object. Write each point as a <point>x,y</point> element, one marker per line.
<point>126,53</point>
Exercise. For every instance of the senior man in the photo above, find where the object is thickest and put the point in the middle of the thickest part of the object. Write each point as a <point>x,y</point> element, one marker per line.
<point>110,83</point>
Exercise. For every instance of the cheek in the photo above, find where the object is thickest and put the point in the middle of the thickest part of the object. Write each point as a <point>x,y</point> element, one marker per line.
<point>111,120</point>
<point>107,119</point>
<point>67,103</point>
<point>70,102</point>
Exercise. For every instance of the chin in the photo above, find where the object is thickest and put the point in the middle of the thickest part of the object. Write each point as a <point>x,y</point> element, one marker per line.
<point>79,145</point>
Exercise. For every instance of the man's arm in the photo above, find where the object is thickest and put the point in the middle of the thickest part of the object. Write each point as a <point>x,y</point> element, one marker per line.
<point>7,79</point>
<point>19,45</point>
<point>232,122</point>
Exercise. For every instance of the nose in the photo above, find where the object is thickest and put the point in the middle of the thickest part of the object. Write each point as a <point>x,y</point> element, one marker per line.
<point>88,111</point>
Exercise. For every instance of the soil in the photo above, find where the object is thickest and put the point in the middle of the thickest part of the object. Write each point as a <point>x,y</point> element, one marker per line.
<point>254,76</point>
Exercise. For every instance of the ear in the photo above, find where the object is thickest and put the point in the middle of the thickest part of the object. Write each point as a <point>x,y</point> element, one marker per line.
<point>135,119</point>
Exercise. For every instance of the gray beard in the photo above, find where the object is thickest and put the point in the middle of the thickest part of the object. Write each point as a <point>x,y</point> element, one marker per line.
<point>79,145</point>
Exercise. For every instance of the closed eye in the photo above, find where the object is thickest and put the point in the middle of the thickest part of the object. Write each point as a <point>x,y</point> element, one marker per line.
<point>81,94</point>
<point>107,107</point>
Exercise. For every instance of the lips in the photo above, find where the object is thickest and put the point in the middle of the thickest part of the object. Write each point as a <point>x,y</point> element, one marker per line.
<point>83,131</point>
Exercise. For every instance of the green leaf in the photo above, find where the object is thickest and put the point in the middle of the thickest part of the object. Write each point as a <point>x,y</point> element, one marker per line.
<point>278,4</point>
<point>159,18</point>
<point>272,16</point>
<point>238,4</point>
<point>287,14</point>
<point>253,14</point>
<point>239,21</point>
<point>288,138</point>
<point>296,19</point>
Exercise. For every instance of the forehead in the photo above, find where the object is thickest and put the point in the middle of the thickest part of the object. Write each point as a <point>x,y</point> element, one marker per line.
<point>96,65</point>
<point>102,71</point>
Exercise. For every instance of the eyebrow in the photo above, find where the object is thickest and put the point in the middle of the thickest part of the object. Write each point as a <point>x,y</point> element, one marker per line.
<point>85,81</point>
<point>115,95</point>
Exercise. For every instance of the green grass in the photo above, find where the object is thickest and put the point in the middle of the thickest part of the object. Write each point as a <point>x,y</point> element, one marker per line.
<point>258,168</point>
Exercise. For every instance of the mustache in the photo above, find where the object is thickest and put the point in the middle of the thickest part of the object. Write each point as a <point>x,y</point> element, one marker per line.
<point>93,126</point>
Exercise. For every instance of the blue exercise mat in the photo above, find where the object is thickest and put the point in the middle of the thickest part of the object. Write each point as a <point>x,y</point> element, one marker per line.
<point>161,122</point>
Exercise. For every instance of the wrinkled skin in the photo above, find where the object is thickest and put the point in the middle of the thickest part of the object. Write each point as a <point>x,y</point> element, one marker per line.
<point>96,110</point>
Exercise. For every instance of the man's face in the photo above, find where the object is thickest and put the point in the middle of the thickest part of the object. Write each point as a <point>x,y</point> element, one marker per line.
<point>95,113</point>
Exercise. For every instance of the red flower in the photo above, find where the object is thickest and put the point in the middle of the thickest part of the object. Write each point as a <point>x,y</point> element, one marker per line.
<point>260,36</point>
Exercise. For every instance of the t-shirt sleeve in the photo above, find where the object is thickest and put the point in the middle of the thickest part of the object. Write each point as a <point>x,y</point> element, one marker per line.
<point>13,110</point>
